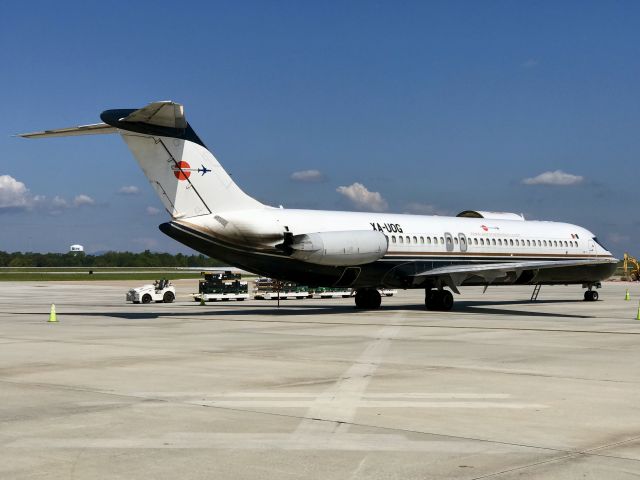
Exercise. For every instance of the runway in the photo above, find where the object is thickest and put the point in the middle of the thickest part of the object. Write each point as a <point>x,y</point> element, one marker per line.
<point>497,388</point>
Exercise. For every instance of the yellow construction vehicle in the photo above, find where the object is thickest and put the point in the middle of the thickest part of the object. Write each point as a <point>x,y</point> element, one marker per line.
<point>631,268</point>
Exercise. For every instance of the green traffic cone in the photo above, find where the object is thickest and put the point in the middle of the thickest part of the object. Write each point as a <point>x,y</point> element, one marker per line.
<point>52,314</point>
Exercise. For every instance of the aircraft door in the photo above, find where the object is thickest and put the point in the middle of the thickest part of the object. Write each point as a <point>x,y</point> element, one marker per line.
<point>463,242</point>
<point>448,241</point>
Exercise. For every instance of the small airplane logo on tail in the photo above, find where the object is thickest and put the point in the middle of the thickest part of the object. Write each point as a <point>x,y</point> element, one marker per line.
<point>202,170</point>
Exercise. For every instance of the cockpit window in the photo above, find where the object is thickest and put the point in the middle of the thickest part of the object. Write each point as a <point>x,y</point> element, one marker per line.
<point>595,239</point>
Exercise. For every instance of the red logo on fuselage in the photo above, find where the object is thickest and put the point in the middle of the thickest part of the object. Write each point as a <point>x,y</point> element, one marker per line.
<point>182,170</point>
<point>485,228</point>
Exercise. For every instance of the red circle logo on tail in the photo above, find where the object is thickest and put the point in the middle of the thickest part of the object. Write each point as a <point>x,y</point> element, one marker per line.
<point>181,170</point>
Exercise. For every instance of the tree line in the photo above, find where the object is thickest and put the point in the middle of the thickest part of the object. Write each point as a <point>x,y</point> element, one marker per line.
<point>107,259</point>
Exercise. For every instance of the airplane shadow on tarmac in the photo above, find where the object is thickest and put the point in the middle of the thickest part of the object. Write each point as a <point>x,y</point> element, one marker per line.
<point>235,310</point>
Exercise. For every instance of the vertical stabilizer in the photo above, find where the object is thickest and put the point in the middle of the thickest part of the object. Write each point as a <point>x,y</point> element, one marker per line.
<point>185,174</point>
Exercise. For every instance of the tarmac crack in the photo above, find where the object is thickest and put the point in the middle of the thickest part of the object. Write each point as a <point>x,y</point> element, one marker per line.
<point>583,453</point>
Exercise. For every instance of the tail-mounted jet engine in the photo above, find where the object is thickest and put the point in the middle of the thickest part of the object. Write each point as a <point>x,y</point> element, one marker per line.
<point>338,249</point>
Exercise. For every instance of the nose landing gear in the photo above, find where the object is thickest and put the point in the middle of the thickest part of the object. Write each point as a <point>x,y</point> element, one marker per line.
<point>441,300</point>
<point>591,295</point>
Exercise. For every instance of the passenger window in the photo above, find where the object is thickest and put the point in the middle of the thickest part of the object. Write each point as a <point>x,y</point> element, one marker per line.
<point>401,239</point>
<point>428,240</point>
<point>499,241</point>
<point>493,241</point>
<point>565,243</point>
<point>408,240</point>
<point>555,243</point>
<point>441,240</point>
<point>393,239</point>
<point>475,241</point>
<point>422,240</point>
<point>511,242</point>
<point>415,240</point>
<point>539,243</point>
<point>544,243</point>
<point>482,241</point>
<point>455,240</point>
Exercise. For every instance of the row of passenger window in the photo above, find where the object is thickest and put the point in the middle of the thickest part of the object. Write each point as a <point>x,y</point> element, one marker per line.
<point>482,241</point>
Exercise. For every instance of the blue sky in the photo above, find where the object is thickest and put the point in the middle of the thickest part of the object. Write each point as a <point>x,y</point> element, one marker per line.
<point>435,106</point>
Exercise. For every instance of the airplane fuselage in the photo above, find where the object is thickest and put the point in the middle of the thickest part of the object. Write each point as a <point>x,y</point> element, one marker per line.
<point>415,243</point>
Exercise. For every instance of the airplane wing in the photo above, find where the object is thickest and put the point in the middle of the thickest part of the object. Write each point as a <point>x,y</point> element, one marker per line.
<point>454,275</point>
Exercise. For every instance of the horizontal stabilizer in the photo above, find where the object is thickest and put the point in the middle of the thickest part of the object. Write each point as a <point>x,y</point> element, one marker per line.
<point>93,129</point>
<point>163,114</point>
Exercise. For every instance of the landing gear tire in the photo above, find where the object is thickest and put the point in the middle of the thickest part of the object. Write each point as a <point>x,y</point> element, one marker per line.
<point>441,300</point>
<point>368,299</point>
<point>431,299</point>
<point>446,302</point>
<point>590,296</point>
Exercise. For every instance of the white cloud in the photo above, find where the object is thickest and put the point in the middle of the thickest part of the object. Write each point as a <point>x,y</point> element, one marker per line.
<point>557,177</point>
<point>362,198</point>
<point>83,200</point>
<point>129,190</point>
<point>530,63</point>
<point>307,176</point>
<point>424,209</point>
<point>14,194</point>
<point>59,202</point>
<point>152,211</point>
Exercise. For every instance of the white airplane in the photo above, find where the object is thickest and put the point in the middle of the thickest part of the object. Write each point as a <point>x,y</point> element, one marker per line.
<point>364,251</point>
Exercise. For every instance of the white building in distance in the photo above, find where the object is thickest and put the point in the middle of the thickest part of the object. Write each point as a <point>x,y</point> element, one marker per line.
<point>76,249</point>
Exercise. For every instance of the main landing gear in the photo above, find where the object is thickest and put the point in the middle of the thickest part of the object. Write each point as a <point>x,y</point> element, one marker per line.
<point>368,298</point>
<point>438,300</point>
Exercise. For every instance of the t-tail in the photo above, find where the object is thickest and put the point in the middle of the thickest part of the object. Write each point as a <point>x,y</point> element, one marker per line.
<point>184,173</point>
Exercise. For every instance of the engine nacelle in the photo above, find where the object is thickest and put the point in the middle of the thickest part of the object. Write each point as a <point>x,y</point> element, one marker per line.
<point>338,249</point>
